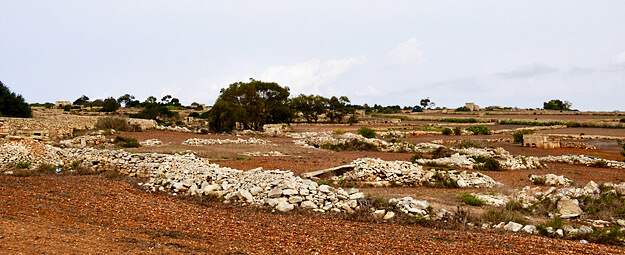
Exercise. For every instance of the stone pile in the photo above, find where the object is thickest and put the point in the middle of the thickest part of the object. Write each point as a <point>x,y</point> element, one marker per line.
<point>584,160</point>
<point>264,154</point>
<point>318,140</point>
<point>550,179</point>
<point>380,172</point>
<point>175,129</point>
<point>151,142</point>
<point>201,142</point>
<point>86,140</point>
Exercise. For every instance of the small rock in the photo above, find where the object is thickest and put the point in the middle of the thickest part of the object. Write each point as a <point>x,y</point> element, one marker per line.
<point>529,229</point>
<point>284,207</point>
<point>277,192</point>
<point>246,195</point>
<point>568,208</point>
<point>324,188</point>
<point>289,192</point>
<point>379,213</point>
<point>308,205</point>
<point>256,190</point>
<point>513,226</point>
<point>389,215</point>
<point>560,232</point>
<point>585,230</point>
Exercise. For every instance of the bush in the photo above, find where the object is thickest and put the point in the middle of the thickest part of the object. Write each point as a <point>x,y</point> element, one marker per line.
<point>366,132</point>
<point>490,164</point>
<point>459,120</point>
<point>194,114</point>
<point>442,152</point>
<point>518,135</point>
<point>503,215</point>
<point>470,199</point>
<point>556,223</point>
<point>622,120</point>
<point>117,123</point>
<point>24,165</point>
<point>353,145</point>
<point>479,130</point>
<point>127,142</point>
<point>67,108</point>
<point>457,131</point>
<point>463,109</point>
<point>447,131</point>
<point>471,143</point>
<point>442,180</point>
<point>414,158</point>
<point>613,236</point>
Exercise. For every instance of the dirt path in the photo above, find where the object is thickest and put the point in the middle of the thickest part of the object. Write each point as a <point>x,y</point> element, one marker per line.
<point>93,215</point>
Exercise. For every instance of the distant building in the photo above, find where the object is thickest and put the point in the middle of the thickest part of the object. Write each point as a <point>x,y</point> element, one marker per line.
<point>60,104</point>
<point>472,106</point>
<point>540,141</point>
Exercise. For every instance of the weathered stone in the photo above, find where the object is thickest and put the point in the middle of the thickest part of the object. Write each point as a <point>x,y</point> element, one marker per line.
<point>357,195</point>
<point>378,214</point>
<point>567,208</point>
<point>585,230</point>
<point>324,188</point>
<point>246,196</point>
<point>256,190</point>
<point>273,202</point>
<point>284,207</point>
<point>389,215</point>
<point>295,199</point>
<point>309,205</point>
<point>513,226</point>
<point>276,192</point>
<point>529,229</point>
<point>289,192</point>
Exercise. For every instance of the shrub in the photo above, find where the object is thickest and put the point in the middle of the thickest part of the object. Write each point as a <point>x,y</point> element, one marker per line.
<point>490,164</point>
<point>622,120</point>
<point>24,165</point>
<point>518,135</point>
<point>556,223</point>
<point>463,109</point>
<point>459,120</point>
<point>46,169</point>
<point>67,108</point>
<point>117,123</point>
<point>194,115</point>
<point>503,215</point>
<point>339,132</point>
<point>442,152</point>
<point>470,199</point>
<point>414,158</point>
<point>13,105</point>
<point>457,131</point>
<point>352,145</point>
<point>620,143</point>
<point>442,180</point>
<point>127,142</point>
<point>613,236</point>
<point>471,143</point>
<point>479,130</point>
<point>447,131</point>
<point>366,132</point>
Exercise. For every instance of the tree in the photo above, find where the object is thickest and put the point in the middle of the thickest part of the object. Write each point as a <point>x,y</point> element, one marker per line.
<point>310,106</point>
<point>337,109</point>
<point>558,105</point>
<point>83,100</point>
<point>12,105</point>
<point>150,100</point>
<point>110,105</point>
<point>165,99</point>
<point>426,103</point>
<point>126,99</point>
<point>175,102</point>
<point>252,104</point>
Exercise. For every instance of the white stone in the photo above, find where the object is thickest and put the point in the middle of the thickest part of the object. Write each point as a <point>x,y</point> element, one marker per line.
<point>289,192</point>
<point>309,205</point>
<point>568,208</point>
<point>357,195</point>
<point>256,190</point>
<point>389,215</point>
<point>277,192</point>
<point>513,226</point>
<point>295,199</point>
<point>284,207</point>
<point>378,214</point>
<point>529,229</point>
<point>324,188</point>
<point>246,196</point>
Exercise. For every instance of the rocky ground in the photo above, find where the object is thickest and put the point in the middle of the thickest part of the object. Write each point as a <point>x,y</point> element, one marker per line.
<point>94,215</point>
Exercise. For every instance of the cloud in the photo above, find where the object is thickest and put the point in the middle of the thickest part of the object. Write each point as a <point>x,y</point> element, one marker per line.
<point>573,69</point>
<point>620,58</point>
<point>368,91</point>
<point>535,69</point>
<point>407,51</point>
<point>310,76</point>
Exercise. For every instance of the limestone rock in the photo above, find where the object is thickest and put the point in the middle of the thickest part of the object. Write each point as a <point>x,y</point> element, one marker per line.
<point>284,206</point>
<point>529,229</point>
<point>568,208</point>
<point>309,205</point>
<point>389,215</point>
<point>277,192</point>
<point>513,226</point>
<point>378,214</point>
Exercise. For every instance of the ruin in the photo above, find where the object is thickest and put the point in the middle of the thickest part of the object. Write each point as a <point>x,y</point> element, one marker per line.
<point>540,141</point>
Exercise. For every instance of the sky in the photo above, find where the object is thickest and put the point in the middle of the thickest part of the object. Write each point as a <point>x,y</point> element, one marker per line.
<point>503,53</point>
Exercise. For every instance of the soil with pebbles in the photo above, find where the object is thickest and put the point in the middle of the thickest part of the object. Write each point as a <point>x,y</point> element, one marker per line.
<point>94,215</point>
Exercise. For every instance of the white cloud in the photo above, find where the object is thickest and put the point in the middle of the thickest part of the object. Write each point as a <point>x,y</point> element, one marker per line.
<point>534,69</point>
<point>407,51</point>
<point>311,76</point>
<point>368,91</point>
<point>620,58</point>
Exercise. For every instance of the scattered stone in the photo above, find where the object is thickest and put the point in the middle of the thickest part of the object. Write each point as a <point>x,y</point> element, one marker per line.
<point>378,214</point>
<point>568,208</point>
<point>389,215</point>
<point>284,206</point>
<point>531,229</point>
<point>513,226</point>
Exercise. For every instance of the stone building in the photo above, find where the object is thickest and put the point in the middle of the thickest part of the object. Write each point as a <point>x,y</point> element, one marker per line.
<point>60,104</point>
<point>472,106</point>
<point>540,141</point>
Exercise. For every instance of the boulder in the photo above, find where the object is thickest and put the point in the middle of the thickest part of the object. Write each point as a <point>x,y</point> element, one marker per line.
<point>277,192</point>
<point>513,226</point>
<point>284,206</point>
<point>324,188</point>
<point>308,205</point>
<point>568,208</point>
<point>529,229</point>
<point>246,196</point>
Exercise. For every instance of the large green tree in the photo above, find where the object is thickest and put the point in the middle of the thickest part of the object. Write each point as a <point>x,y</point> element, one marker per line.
<point>12,105</point>
<point>310,106</point>
<point>557,104</point>
<point>337,108</point>
<point>252,104</point>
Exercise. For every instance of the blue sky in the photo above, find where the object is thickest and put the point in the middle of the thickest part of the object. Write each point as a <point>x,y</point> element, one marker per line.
<point>507,53</point>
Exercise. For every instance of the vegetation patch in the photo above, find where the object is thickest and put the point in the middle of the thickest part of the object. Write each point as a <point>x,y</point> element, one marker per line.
<point>127,142</point>
<point>479,130</point>
<point>366,132</point>
<point>470,199</point>
<point>518,135</point>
